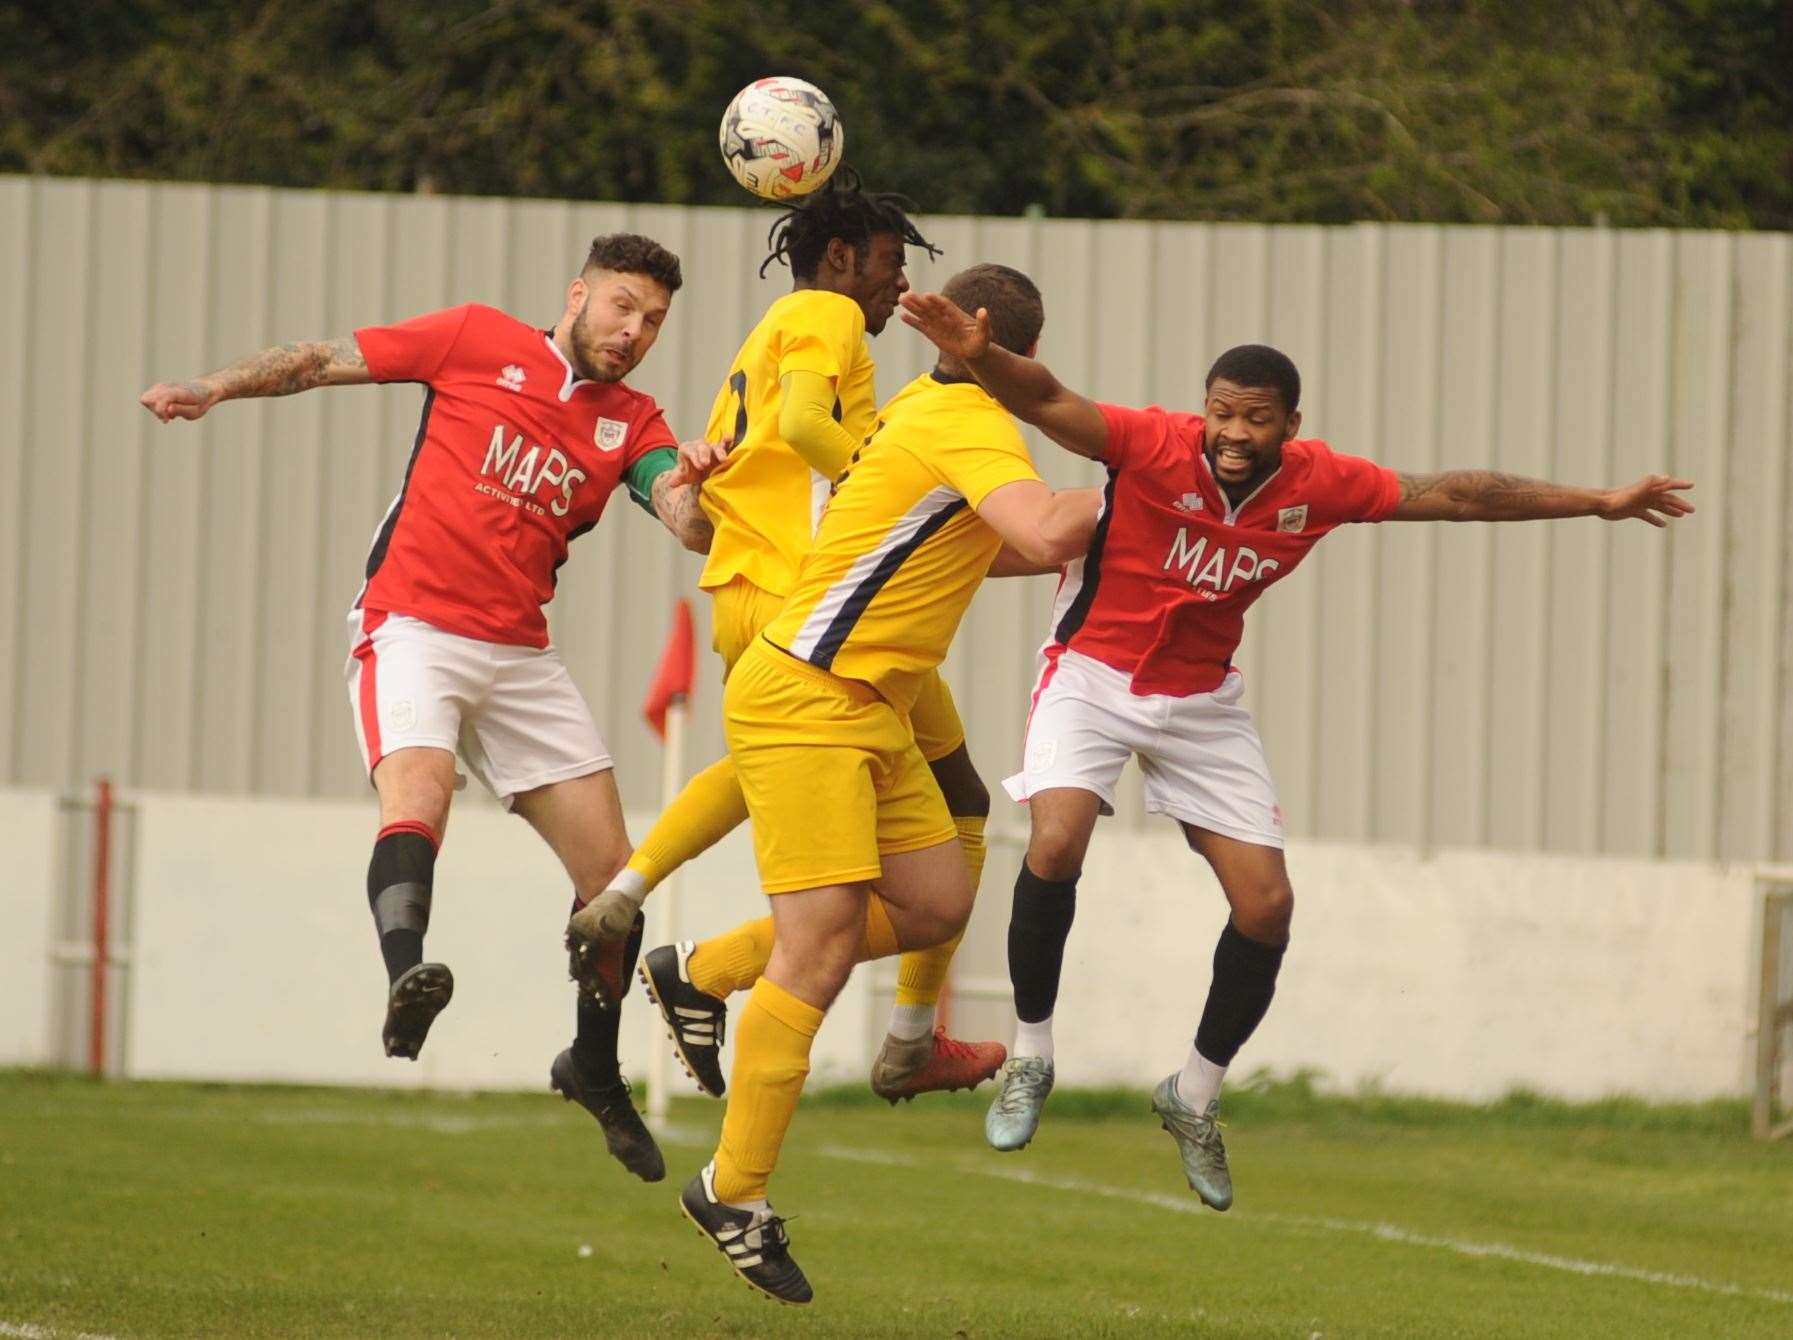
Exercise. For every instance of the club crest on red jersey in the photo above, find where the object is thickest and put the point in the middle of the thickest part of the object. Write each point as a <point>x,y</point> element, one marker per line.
<point>609,434</point>
<point>1292,518</point>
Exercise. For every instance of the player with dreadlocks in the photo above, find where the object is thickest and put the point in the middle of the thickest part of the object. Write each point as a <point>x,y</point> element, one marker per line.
<point>797,402</point>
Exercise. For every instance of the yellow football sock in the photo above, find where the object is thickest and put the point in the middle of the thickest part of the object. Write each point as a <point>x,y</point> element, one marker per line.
<point>706,811</point>
<point>921,973</point>
<point>772,1044</point>
<point>732,961</point>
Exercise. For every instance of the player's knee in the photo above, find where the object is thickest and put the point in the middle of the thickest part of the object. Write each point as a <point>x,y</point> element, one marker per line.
<point>1265,911</point>
<point>936,925</point>
<point>414,790</point>
<point>1055,851</point>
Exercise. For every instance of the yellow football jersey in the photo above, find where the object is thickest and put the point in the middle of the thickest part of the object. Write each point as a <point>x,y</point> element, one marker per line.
<point>764,500</point>
<point>901,549</point>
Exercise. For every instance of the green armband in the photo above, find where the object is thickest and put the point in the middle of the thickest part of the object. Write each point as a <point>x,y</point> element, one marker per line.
<point>639,478</point>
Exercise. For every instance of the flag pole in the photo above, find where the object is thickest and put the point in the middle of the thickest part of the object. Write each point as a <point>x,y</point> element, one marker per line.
<point>663,913</point>
<point>668,713</point>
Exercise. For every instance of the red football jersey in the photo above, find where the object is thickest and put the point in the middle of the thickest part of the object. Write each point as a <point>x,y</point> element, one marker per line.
<point>515,457</point>
<point>1173,565</point>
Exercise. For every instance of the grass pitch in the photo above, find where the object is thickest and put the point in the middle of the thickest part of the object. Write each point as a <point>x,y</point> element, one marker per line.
<point>182,1210</point>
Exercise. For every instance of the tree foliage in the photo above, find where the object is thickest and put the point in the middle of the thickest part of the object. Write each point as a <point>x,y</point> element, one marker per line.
<point>1636,112</point>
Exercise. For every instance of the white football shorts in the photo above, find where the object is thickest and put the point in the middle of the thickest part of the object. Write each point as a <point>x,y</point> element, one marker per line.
<point>512,713</point>
<point>1200,755</point>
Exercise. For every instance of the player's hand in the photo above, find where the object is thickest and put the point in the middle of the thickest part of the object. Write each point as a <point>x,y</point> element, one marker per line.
<point>1654,498</point>
<point>945,323</point>
<point>696,460</point>
<point>178,400</point>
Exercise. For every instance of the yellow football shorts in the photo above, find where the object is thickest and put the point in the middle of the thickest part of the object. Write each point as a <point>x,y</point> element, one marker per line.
<point>740,611</point>
<point>831,772</point>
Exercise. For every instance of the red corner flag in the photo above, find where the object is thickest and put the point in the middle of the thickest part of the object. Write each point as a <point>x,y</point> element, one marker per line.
<point>677,673</point>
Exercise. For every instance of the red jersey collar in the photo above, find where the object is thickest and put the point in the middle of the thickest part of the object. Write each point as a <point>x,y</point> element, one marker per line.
<point>572,381</point>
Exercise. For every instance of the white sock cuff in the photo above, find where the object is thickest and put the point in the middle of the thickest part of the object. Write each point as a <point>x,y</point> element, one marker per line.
<point>910,1022</point>
<point>1033,1039</point>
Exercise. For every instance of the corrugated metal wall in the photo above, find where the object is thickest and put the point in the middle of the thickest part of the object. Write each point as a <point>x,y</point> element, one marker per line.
<point>172,606</point>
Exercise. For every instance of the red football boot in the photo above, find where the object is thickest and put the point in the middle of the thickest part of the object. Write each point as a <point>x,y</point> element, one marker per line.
<point>905,1068</point>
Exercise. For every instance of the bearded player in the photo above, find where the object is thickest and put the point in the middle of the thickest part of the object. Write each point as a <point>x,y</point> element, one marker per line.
<point>1202,513</point>
<point>525,434</point>
<point>797,401</point>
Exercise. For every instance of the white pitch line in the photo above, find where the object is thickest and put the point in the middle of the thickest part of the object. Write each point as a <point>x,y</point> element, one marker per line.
<point>24,1330</point>
<point>1366,1228</point>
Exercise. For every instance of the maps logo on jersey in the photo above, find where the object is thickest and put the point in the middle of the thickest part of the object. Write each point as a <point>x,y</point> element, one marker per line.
<point>1292,518</point>
<point>1189,502</point>
<point>609,434</point>
<point>512,378</point>
<point>1212,569</point>
<point>523,470</point>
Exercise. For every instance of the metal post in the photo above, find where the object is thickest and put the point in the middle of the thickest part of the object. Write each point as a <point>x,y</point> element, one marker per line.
<point>102,882</point>
<point>664,913</point>
<point>1772,1017</point>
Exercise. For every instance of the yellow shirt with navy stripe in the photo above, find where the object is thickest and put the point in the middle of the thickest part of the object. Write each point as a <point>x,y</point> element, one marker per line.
<point>764,500</point>
<point>901,549</point>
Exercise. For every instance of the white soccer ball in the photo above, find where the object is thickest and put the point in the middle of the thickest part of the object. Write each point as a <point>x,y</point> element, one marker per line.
<point>781,137</point>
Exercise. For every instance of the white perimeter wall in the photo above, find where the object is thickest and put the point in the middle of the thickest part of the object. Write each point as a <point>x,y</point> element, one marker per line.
<point>1462,973</point>
<point>28,903</point>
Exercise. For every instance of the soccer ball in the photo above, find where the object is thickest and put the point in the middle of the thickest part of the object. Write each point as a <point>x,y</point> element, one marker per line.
<point>781,137</point>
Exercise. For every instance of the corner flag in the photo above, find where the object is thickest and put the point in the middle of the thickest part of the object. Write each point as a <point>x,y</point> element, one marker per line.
<point>677,672</point>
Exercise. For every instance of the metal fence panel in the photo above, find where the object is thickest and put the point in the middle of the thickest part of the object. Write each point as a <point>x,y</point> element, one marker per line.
<point>173,609</point>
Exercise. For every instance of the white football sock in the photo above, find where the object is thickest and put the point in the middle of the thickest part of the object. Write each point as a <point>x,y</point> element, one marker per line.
<point>910,1022</point>
<point>761,1204</point>
<point>1033,1039</point>
<point>1198,1083</point>
<point>630,882</point>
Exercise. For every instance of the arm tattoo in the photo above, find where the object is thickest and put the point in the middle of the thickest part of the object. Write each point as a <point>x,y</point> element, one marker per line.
<point>1490,495</point>
<point>1487,488</point>
<point>681,513</point>
<point>285,369</point>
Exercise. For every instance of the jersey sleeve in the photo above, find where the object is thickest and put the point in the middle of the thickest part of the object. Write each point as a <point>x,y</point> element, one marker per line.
<point>822,334</point>
<point>414,350</point>
<point>976,467</point>
<point>651,434</point>
<point>1133,434</point>
<point>1359,489</point>
<point>638,478</point>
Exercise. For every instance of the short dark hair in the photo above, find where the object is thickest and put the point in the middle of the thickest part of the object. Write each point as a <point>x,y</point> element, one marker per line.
<point>799,237</point>
<point>1259,365</point>
<point>1012,299</point>
<point>633,254</point>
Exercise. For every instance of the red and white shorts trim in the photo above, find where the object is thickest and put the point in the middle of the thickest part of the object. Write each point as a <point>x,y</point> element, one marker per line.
<point>1200,755</point>
<point>513,714</point>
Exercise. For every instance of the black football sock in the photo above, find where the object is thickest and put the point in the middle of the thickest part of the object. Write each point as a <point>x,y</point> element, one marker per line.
<point>1039,922</point>
<point>1238,997</point>
<point>597,1025</point>
<point>399,879</point>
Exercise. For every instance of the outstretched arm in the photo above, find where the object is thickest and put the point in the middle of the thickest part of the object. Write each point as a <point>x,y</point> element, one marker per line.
<point>1025,386</point>
<point>1067,527</point>
<point>282,370</point>
<point>1038,530</point>
<point>1488,495</point>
